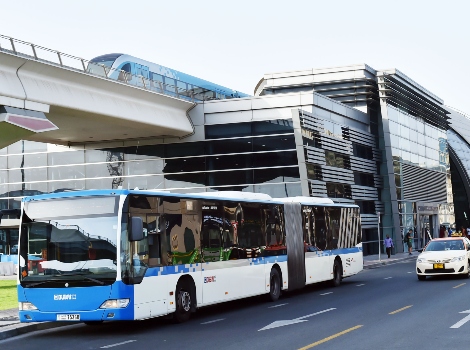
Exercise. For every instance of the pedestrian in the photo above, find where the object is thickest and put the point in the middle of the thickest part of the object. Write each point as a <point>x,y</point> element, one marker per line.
<point>388,242</point>
<point>409,240</point>
<point>442,232</point>
<point>450,232</point>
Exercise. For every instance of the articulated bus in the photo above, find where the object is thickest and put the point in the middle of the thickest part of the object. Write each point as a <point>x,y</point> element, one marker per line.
<point>103,255</point>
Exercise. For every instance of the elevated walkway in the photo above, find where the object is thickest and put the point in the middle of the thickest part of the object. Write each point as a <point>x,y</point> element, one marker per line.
<point>84,107</point>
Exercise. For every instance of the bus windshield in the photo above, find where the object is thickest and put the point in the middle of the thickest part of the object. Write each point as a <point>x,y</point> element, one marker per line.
<point>69,241</point>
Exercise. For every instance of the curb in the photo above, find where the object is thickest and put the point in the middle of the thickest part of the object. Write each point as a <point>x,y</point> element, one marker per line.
<point>385,262</point>
<point>22,328</point>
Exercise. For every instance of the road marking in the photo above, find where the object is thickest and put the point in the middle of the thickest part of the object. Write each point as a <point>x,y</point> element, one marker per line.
<point>387,278</point>
<point>315,313</point>
<point>463,320</point>
<point>282,323</point>
<point>220,319</point>
<point>324,340</point>
<point>360,285</point>
<point>460,285</point>
<point>326,293</point>
<point>117,344</point>
<point>397,311</point>
<point>410,272</point>
<point>277,305</point>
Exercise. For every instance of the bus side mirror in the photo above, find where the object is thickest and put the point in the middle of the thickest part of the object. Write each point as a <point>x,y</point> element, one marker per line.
<point>137,229</point>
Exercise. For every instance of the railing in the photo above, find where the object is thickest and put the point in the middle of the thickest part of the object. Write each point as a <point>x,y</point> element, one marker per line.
<point>38,53</point>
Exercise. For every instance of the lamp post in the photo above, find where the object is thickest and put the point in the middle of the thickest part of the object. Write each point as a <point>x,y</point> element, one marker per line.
<point>378,231</point>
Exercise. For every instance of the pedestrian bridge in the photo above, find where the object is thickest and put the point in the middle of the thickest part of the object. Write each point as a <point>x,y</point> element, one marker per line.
<point>51,97</point>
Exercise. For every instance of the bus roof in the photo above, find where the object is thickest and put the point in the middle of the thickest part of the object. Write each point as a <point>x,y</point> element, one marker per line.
<point>222,195</point>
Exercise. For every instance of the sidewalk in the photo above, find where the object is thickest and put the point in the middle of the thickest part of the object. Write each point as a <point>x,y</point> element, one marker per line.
<point>372,261</point>
<point>10,325</point>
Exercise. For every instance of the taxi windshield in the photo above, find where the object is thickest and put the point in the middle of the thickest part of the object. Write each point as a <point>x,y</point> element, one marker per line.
<point>436,246</point>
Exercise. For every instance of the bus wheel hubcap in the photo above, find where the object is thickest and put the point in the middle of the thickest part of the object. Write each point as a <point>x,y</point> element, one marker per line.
<point>185,300</point>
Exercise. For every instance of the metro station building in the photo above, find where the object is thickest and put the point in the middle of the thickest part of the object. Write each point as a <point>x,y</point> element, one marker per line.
<point>353,133</point>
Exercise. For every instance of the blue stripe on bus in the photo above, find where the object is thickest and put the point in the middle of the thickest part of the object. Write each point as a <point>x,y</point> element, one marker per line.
<point>188,268</point>
<point>276,259</point>
<point>171,270</point>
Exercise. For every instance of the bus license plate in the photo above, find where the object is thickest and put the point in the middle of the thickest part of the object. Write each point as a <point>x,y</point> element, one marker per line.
<point>68,317</point>
<point>438,266</point>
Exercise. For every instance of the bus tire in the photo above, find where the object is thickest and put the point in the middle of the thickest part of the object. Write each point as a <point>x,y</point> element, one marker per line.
<point>184,301</point>
<point>274,285</point>
<point>337,268</point>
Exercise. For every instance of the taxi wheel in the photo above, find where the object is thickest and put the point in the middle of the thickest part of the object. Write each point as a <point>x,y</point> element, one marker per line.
<point>421,277</point>
<point>467,275</point>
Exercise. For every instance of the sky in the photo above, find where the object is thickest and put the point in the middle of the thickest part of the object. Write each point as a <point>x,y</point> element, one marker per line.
<point>234,43</point>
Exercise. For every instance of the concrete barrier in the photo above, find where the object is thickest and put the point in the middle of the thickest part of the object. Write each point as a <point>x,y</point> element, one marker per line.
<point>7,268</point>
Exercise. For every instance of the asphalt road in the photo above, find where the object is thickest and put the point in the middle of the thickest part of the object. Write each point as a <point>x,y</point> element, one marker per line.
<point>383,308</point>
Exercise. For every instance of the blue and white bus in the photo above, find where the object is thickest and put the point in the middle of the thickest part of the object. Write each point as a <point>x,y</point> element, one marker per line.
<point>103,255</point>
<point>161,79</point>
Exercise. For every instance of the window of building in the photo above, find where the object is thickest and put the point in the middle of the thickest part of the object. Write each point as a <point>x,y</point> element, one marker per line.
<point>311,138</point>
<point>362,151</point>
<point>269,127</point>
<point>366,207</point>
<point>335,190</point>
<point>364,179</point>
<point>337,160</point>
<point>314,171</point>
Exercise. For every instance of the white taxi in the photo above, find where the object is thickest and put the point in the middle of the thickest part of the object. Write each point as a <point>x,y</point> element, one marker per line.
<point>444,256</point>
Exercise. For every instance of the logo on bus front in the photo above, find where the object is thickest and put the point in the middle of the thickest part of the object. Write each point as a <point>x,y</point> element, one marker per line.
<point>65,296</point>
<point>209,279</point>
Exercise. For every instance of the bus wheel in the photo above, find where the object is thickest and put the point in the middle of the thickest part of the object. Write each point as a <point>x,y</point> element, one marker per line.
<point>183,302</point>
<point>274,285</point>
<point>336,281</point>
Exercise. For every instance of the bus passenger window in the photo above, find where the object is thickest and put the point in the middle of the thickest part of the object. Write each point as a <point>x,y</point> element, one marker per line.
<point>321,227</point>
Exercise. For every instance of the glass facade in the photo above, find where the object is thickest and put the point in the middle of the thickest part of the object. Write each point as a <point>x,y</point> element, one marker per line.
<point>245,156</point>
<point>416,142</point>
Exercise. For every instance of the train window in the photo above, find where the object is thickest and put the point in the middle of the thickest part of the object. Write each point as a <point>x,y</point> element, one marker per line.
<point>125,72</point>
<point>170,84</point>
<point>182,87</point>
<point>126,68</point>
<point>156,81</point>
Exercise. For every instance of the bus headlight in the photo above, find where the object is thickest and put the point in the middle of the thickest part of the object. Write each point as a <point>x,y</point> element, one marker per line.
<point>26,306</point>
<point>115,304</point>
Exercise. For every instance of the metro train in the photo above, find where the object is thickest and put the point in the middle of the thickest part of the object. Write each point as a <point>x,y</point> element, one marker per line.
<point>138,72</point>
